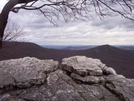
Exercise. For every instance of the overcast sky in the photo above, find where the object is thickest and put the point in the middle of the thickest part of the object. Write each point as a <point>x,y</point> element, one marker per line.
<point>111,30</point>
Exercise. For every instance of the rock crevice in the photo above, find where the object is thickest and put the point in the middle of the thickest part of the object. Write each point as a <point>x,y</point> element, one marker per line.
<point>41,80</point>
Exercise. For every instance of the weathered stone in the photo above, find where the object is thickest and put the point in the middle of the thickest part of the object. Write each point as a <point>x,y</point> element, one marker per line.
<point>120,86</point>
<point>56,85</point>
<point>4,97</point>
<point>60,87</point>
<point>109,70</point>
<point>83,65</point>
<point>86,66</point>
<point>25,71</point>
<point>87,79</point>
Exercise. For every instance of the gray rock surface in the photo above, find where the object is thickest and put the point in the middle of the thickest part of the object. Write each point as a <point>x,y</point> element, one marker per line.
<point>86,66</point>
<point>109,70</point>
<point>56,84</point>
<point>60,87</point>
<point>121,86</point>
<point>83,66</point>
<point>25,71</point>
<point>88,79</point>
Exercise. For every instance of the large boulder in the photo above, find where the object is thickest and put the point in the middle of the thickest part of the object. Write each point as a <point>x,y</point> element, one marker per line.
<point>42,80</point>
<point>120,86</point>
<point>60,87</point>
<point>86,66</point>
<point>25,72</point>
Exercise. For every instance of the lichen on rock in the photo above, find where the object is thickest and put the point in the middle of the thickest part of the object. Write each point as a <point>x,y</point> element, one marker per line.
<point>86,66</point>
<point>25,72</point>
<point>42,80</point>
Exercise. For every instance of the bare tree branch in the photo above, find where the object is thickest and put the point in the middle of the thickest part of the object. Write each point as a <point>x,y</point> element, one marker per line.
<point>79,8</point>
<point>14,32</point>
<point>68,9</point>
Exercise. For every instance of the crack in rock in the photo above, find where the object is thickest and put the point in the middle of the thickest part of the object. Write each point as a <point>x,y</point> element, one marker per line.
<point>121,87</point>
<point>25,72</point>
<point>79,78</point>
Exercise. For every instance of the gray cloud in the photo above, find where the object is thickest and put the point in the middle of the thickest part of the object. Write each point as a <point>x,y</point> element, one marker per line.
<point>113,22</point>
<point>111,30</point>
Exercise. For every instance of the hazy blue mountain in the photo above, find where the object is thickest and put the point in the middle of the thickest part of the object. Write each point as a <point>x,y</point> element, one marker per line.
<point>83,47</point>
<point>121,60</point>
<point>69,47</point>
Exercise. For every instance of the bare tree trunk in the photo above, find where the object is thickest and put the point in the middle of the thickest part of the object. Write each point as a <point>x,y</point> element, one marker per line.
<point>4,17</point>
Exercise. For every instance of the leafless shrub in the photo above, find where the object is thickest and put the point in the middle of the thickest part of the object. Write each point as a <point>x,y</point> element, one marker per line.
<point>14,32</point>
<point>68,9</point>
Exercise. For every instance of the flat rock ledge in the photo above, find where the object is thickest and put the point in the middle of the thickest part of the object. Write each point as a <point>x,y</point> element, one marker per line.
<point>84,66</point>
<point>25,72</point>
<point>78,78</point>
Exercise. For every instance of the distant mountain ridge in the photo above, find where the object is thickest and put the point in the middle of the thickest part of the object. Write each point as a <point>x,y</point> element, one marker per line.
<point>121,60</point>
<point>84,47</point>
<point>69,47</point>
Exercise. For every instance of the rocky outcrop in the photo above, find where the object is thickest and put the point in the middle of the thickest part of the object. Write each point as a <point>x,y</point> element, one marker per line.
<point>86,66</point>
<point>25,72</point>
<point>121,87</point>
<point>78,78</point>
